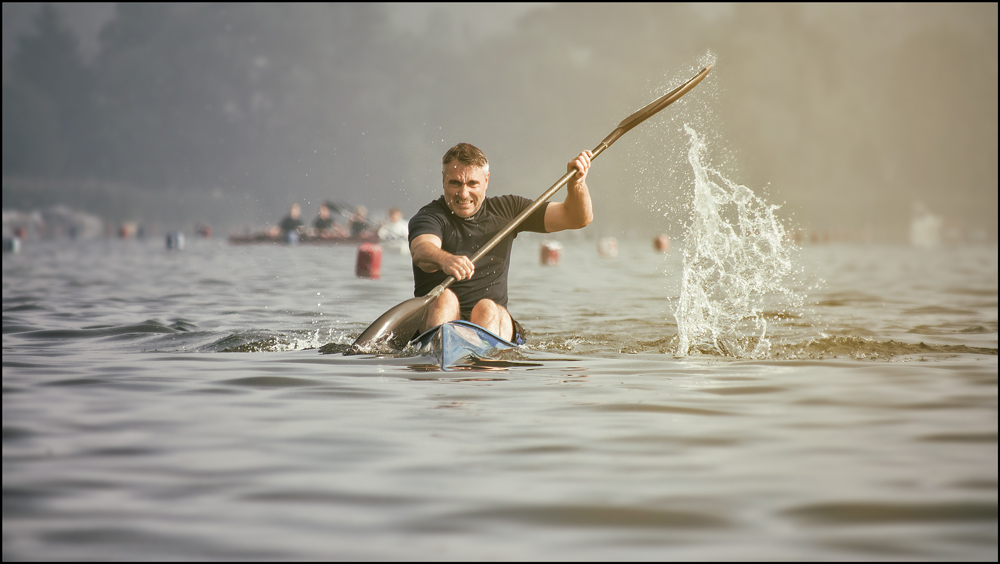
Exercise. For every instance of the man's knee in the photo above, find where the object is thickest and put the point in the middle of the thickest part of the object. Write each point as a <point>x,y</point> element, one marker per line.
<point>494,317</point>
<point>442,310</point>
<point>486,307</point>
<point>446,306</point>
<point>446,301</point>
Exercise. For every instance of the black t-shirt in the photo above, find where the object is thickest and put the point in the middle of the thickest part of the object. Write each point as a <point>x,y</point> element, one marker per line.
<point>465,236</point>
<point>357,227</point>
<point>289,223</point>
<point>322,224</point>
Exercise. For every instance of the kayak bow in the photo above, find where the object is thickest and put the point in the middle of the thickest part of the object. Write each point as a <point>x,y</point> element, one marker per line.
<point>455,342</point>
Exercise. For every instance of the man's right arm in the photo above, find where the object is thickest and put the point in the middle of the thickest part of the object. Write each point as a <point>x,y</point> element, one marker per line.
<point>428,255</point>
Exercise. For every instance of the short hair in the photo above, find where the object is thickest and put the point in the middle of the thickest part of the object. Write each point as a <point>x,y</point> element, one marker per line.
<point>466,154</point>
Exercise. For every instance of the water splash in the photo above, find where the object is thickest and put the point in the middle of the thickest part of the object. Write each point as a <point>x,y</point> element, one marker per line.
<point>736,261</point>
<point>271,341</point>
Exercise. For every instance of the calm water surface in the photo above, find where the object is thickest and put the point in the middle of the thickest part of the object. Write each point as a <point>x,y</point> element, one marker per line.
<point>194,404</point>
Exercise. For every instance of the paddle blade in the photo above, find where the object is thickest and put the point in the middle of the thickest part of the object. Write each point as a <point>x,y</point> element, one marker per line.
<point>653,107</point>
<point>392,331</point>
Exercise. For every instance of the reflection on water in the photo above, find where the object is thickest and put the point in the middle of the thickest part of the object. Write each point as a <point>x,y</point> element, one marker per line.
<point>179,405</point>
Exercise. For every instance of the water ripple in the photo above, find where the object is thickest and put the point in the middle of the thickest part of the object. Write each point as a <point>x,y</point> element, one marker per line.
<point>859,513</point>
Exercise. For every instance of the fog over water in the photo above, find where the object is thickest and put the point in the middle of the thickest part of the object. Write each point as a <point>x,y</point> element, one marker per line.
<point>848,116</point>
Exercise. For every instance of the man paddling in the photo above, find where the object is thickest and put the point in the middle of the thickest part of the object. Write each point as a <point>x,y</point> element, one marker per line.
<point>446,232</point>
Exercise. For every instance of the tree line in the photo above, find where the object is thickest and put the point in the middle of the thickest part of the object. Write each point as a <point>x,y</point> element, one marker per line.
<point>266,103</point>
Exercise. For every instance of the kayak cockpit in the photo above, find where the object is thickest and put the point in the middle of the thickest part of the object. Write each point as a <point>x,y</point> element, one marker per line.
<point>453,343</point>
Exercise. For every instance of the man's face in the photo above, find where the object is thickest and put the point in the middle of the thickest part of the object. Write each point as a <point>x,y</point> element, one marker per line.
<point>464,188</point>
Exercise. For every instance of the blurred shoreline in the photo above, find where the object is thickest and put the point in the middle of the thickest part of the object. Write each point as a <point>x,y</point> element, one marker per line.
<point>844,115</point>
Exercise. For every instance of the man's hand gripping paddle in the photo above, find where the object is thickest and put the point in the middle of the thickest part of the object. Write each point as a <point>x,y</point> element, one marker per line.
<point>394,329</point>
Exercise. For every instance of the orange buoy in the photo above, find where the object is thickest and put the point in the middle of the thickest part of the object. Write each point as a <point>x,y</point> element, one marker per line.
<point>661,243</point>
<point>551,252</point>
<point>369,263</point>
<point>608,247</point>
<point>128,230</point>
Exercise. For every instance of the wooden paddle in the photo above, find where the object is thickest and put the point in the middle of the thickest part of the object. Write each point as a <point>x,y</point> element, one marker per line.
<point>397,326</point>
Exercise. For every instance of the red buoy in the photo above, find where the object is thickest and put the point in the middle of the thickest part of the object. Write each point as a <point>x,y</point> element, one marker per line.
<point>551,252</point>
<point>662,243</point>
<point>369,263</point>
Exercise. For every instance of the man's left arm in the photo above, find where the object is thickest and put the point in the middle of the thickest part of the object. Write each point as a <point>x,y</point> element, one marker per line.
<point>576,211</point>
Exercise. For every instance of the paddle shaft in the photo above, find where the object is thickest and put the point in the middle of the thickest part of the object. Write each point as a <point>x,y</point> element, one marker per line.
<point>351,216</point>
<point>626,124</point>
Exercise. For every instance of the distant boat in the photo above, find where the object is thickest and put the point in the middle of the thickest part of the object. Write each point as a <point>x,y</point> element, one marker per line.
<point>283,239</point>
<point>459,343</point>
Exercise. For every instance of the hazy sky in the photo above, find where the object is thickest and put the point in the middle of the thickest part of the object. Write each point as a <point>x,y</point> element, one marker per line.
<point>86,18</point>
<point>485,18</point>
<point>803,97</point>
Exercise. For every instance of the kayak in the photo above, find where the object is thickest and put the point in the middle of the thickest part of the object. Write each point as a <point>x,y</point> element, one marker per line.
<point>457,342</point>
